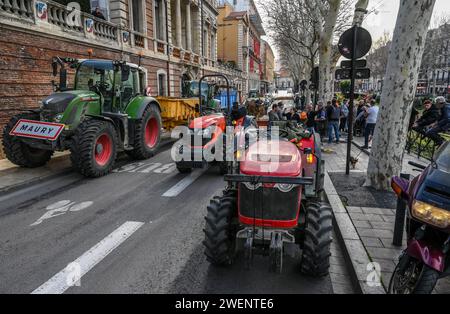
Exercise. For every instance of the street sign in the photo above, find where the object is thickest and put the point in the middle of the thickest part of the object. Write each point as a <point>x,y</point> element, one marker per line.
<point>346,74</point>
<point>363,43</point>
<point>359,64</point>
<point>354,44</point>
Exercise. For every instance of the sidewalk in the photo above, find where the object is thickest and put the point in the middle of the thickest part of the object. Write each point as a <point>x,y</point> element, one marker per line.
<point>366,215</point>
<point>12,176</point>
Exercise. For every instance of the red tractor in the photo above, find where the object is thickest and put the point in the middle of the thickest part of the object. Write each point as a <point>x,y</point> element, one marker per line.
<point>208,132</point>
<point>273,205</point>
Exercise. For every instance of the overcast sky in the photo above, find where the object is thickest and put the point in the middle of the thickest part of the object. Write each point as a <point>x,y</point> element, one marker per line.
<point>383,20</point>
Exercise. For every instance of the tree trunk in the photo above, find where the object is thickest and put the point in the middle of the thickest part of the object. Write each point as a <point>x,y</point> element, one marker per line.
<point>400,84</point>
<point>325,41</point>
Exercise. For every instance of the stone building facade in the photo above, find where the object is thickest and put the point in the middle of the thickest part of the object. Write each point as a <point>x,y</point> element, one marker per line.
<point>175,40</point>
<point>268,66</point>
<point>240,43</point>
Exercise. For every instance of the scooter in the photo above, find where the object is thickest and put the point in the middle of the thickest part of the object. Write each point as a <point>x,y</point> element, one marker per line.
<point>426,258</point>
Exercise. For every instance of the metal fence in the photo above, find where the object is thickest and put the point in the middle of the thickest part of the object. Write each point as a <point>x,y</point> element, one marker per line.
<point>419,145</point>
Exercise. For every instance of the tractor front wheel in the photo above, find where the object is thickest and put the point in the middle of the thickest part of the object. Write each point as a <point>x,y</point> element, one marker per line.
<point>148,134</point>
<point>20,153</point>
<point>182,169</point>
<point>94,148</point>
<point>317,240</point>
<point>221,229</point>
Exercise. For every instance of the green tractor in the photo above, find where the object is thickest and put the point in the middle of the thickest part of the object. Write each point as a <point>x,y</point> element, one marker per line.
<point>107,111</point>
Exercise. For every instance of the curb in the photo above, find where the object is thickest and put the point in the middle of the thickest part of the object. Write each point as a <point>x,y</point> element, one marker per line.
<point>354,251</point>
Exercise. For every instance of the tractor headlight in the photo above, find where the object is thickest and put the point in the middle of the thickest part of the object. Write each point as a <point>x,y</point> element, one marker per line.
<point>433,215</point>
<point>285,188</point>
<point>58,117</point>
<point>252,187</point>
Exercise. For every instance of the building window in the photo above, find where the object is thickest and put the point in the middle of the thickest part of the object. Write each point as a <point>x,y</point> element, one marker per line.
<point>162,83</point>
<point>205,43</point>
<point>137,15</point>
<point>213,45</point>
<point>160,27</point>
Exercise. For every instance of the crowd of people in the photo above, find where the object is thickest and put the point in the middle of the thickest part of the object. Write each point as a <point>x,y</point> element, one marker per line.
<point>434,120</point>
<point>331,121</point>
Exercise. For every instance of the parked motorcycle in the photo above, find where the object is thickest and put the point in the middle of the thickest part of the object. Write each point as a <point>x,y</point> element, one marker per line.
<point>426,258</point>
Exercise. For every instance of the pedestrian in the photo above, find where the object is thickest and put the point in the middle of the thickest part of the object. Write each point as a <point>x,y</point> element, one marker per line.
<point>333,116</point>
<point>360,118</point>
<point>344,116</point>
<point>443,124</point>
<point>98,14</point>
<point>273,114</point>
<point>430,115</point>
<point>320,120</point>
<point>310,118</point>
<point>288,113</point>
<point>371,121</point>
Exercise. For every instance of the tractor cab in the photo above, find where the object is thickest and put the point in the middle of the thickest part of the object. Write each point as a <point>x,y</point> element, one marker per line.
<point>115,82</point>
<point>207,91</point>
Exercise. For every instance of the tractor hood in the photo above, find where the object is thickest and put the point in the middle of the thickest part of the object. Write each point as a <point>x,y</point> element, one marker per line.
<point>58,102</point>
<point>207,121</point>
<point>272,158</point>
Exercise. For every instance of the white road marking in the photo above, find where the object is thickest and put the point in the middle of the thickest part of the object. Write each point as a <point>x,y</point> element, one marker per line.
<point>167,168</point>
<point>61,208</point>
<point>66,278</point>
<point>183,184</point>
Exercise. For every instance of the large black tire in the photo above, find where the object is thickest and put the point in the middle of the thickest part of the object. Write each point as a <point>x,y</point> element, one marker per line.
<point>143,149</point>
<point>84,148</point>
<point>182,169</point>
<point>317,240</point>
<point>20,153</point>
<point>426,279</point>
<point>220,231</point>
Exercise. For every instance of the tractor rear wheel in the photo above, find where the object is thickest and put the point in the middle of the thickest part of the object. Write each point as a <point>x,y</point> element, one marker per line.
<point>148,134</point>
<point>221,229</point>
<point>94,148</point>
<point>19,152</point>
<point>182,169</point>
<point>317,240</point>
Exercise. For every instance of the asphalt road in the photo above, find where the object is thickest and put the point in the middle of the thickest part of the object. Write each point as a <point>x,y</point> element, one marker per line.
<point>138,230</point>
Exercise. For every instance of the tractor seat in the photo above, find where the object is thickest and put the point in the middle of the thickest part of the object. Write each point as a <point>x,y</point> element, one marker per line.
<point>127,94</point>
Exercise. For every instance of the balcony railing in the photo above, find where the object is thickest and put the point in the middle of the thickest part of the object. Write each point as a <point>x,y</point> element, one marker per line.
<point>21,8</point>
<point>61,16</point>
<point>160,46</point>
<point>139,39</point>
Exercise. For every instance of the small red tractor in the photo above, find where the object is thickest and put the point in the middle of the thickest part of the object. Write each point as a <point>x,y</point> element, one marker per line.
<point>209,131</point>
<point>273,205</point>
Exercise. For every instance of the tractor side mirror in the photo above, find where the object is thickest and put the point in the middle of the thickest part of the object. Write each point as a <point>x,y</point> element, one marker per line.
<point>55,68</point>
<point>63,80</point>
<point>125,73</point>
